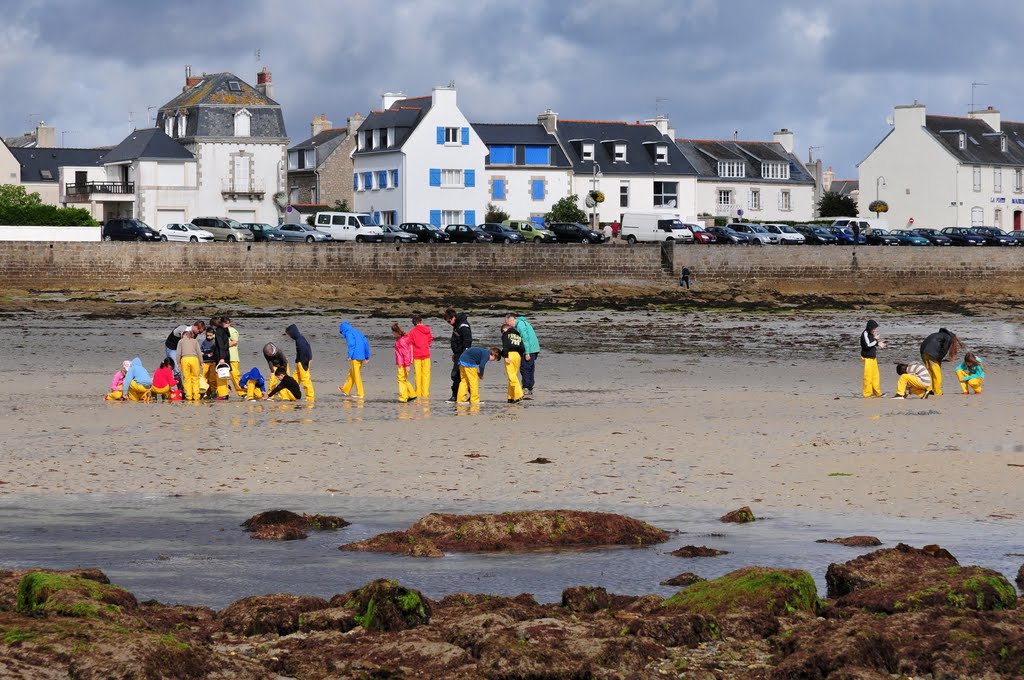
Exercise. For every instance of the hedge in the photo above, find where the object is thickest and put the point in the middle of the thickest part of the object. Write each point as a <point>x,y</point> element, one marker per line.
<point>45,215</point>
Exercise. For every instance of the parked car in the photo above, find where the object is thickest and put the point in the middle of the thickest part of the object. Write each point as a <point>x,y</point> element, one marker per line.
<point>725,235</point>
<point>881,237</point>
<point>994,236</point>
<point>653,227</point>
<point>787,234</point>
<point>909,238</point>
<point>531,231</point>
<point>934,236</point>
<point>425,233</point>
<point>701,234</point>
<point>963,236</point>
<point>571,232</point>
<point>817,235</point>
<point>467,233</point>
<point>264,232</point>
<point>177,231</point>
<point>224,229</point>
<point>502,234</point>
<point>303,232</point>
<point>395,234</point>
<point>349,226</point>
<point>758,235</point>
<point>128,230</point>
<point>1017,236</point>
<point>845,236</point>
<point>865,224</point>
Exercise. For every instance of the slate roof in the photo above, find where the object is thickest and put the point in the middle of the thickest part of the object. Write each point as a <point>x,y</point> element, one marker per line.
<point>324,143</point>
<point>641,140</point>
<point>35,161</point>
<point>704,154</point>
<point>981,148</point>
<point>521,135</point>
<point>148,144</point>
<point>211,106</point>
<point>21,141</point>
<point>845,187</point>
<point>404,115</point>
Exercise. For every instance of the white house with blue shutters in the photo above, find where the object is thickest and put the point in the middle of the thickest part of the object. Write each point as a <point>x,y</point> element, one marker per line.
<point>419,160</point>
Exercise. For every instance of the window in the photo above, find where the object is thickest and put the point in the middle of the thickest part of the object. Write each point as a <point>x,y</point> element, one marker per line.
<point>785,203</point>
<point>451,217</point>
<point>169,126</point>
<point>977,178</point>
<point>503,155</point>
<point>537,155</point>
<point>451,135</point>
<point>538,188</point>
<point>293,195</point>
<point>394,179</point>
<point>620,152</point>
<point>666,194</point>
<point>977,217</point>
<point>234,86</point>
<point>1018,180</point>
<point>775,170</point>
<point>361,139</point>
<point>997,180</point>
<point>498,188</point>
<point>961,140</point>
<point>182,120</point>
<point>623,194</point>
<point>732,169</point>
<point>725,198</point>
<point>587,153</point>
<point>390,137</point>
<point>998,218</point>
<point>242,172</point>
<point>661,153</point>
<point>382,179</point>
<point>367,181</point>
<point>355,181</point>
<point>242,120</point>
<point>1002,143</point>
<point>375,139</point>
<point>755,199</point>
<point>451,178</point>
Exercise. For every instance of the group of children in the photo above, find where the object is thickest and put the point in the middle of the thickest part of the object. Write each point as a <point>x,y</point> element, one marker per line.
<point>202,363</point>
<point>925,379</point>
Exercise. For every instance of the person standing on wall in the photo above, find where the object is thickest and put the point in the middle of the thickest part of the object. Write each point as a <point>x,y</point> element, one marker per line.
<point>462,339</point>
<point>869,345</point>
<point>936,348</point>
<point>421,337</point>
<point>531,349</point>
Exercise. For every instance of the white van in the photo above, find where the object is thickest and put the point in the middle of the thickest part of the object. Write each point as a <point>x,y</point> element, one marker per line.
<point>866,224</point>
<point>652,227</point>
<point>349,226</point>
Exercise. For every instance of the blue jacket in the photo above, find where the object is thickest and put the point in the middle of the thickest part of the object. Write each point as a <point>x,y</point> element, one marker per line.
<point>255,375</point>
<point>531,345</point>
<point>358,347</point>
<point>137,373</point>
<point>303,352</point>
<point>475,357</point>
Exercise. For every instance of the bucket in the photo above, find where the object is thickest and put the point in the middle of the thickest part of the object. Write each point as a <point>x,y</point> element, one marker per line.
<point>224,372</point>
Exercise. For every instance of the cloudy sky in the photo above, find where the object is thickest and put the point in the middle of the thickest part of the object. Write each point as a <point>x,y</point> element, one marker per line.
<point>828,70</point>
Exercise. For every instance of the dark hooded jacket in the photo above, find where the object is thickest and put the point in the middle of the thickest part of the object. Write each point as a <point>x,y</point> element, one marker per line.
<point>303,352</point>
<point>937,345</point>
<point>462,334</point>
<point>222,351</point>
<point>868,342</point>
<point>511,341</point>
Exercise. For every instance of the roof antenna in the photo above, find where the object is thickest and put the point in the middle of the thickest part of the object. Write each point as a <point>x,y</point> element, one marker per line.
<point>974,86</point>
<point>657,104</point>
<point>257,55</point>
<point>735,135</point>
<point>810,152</point>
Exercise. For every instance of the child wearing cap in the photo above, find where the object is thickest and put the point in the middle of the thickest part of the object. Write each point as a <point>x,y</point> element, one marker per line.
<point>118,382</point>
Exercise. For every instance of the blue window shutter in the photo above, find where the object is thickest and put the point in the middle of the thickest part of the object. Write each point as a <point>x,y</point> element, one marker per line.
<point>355,181</point>
<point>435,218</point>
<point>503,155</point>
<point>367,180</point>
<point>397,221</point>
<point>470,217</point>
<point>382,179</point>
<point>537,189</point>
<point>537,219</point>
<point>465,136</point>
<point>440,135</point>
<point>376,216</point>
<point>435,177</point>
<point>498,189</point>
<point>537,155</point>
<point>394,178</point>
<point>469,178</point>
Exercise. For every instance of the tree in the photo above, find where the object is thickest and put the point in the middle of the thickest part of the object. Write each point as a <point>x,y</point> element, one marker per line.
<point>834,204</point>
<point>495,214</point>
<point>12,196</point>
<point>342,206</point>
<point>566,210</point>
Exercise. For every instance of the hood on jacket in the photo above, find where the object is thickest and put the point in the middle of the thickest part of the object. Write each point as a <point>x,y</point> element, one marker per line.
<point>292,332</point>
<point>872,324</point>
<point>460,318</point>
<point>345,328</point>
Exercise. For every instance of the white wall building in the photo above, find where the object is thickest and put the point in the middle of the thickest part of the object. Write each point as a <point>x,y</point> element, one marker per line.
<point>943,171</point>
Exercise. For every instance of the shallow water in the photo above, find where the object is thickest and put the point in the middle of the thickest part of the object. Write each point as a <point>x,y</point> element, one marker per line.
<point>191,550</point>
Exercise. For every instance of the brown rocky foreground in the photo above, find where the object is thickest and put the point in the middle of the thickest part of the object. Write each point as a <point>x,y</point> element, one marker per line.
<point>895,612</point>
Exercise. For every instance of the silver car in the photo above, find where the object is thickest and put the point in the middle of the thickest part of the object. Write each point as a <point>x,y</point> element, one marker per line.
<point>302,232</point>
<point>758,234</point>
<point>224,228</point>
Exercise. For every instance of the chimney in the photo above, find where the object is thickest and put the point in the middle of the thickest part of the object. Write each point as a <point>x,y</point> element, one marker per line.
<point>785,138</point>
<point>388,99</point>
<point>444,95</point>
<point>265,83</point>
<point>190,80</point>
<point>319,124</point>
<point>354,121</point>
<point>549,119</point>
<point>909,115</point>
<point>46,136</point>
<point>661,122</point>
<point>827,178</point>
<point>989,116</point>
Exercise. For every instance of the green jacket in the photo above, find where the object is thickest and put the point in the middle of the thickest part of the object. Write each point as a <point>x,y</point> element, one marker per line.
<point>531,345</point>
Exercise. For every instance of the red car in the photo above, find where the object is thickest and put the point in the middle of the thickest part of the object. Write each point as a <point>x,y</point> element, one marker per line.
<point>700,234</point>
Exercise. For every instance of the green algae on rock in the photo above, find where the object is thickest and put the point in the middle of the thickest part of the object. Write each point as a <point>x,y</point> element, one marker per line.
<point>385,605</point>
<point>45,592</point>
<point>743,515</point>
<point>774,591</point>
<point>285,525</point>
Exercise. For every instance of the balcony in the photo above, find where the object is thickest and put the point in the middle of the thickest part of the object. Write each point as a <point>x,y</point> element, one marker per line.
<point>241,189</point>
<point>725,209</point>
<point>84,191</point>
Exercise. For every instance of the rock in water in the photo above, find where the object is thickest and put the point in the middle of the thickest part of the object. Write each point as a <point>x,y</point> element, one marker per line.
<point>853,541</point>
<point>741,516</point>
<point>285,525</point>
<point>682,580</point>
<point>698,551</point>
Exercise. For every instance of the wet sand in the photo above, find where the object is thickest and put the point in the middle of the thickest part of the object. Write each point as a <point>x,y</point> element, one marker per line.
<point>657,409</point>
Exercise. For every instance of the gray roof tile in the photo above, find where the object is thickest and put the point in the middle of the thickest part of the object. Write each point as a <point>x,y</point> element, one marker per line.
<point>150,143</point>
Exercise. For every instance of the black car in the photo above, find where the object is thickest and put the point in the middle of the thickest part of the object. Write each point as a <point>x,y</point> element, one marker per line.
<point>880,237</point>
<point>264,232</point>
<point>994,236</point>
<point>818,236</point>
<point>727,236</point>
<point>502,234</point>
<point>963,236</point>
<point>934,236</point>
<point>393,234</point>
<point>129,230</point>
<point>467,233</point>
<point>571,232</point>
<point>425,233</point>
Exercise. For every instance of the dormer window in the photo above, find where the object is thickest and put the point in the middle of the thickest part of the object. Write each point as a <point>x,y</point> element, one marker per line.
<point>243,119</point>
<point>376,139</point>
<point>732,169</point>
<point>775,170</point>
<point>587,153</point>
<point>390,137</point>
<point>182,119</point>
<point>620,152</point>
<point>661,153</point>
<point>1002,143</point>
<point>169,126</point>
<point>961,140</point>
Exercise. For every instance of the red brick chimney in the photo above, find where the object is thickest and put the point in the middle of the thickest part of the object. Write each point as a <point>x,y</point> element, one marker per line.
<point>190,80</point>
<point>265,84</point>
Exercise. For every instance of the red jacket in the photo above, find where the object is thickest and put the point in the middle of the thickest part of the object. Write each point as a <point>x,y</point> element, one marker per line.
<point>164,377</point>
<point>421,339</point>
<point>403,351</point>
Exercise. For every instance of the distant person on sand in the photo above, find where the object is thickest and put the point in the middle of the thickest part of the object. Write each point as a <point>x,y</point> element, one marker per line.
<point>137,382</point>
<point>209,347</point>
<point>117,382</point>
<point>421,337</point>
<point>970,373</point>
<point>471,364</point>
<point>358,355</point>
<point>190,356</point>
<point>936,348</point>
<point>869,345</point>
<point>403,363</point>
<point>303,357</point>
<point>171,343</point>
<point>913,378</point>
<point>253,383</point>
<point>163,379</point>
<point>287,388</point>
<point>275,359</point>
<point>684,277</point>
<point>222,357</point>
<point>462,339</point>
<point>512,351</point>
<point>531,349</point>
<point>236,376</point>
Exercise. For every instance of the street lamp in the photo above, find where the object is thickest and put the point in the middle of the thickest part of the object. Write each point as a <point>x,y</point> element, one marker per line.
<point>593,185</point>
<point>879,180</point>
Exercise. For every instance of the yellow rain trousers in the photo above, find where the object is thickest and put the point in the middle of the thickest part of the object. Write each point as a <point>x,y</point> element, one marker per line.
<point>406,390</point>
<point>872,380</point>
<point>422,368</point>
<point>974,383</point>
<point>469,387</point>
<point>935,371</point>
<point>190,377</point>
<point>910,382</point>
<point>137,392</point>
<point>355,379</point>
<point>236,376</point>
<point>272,383</point>
<point>252,390</point>
<point>302,376</point>
<point>515,387</point>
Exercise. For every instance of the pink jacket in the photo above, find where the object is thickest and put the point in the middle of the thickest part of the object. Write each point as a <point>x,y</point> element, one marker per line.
<point>421,339</point>
<point>118,382</point>
<point>403,351</point>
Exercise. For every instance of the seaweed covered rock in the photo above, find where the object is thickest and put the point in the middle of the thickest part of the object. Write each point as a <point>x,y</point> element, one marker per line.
<point>279,614</point>
<point>65,595</point>
<point>525,530</point>
<point>698,551</point>
<point>589,599</point>
<point>285,525</point>
<point>907,579</point>
<point>385,605</point>
<point>742,515</point>
<point>1020,577</point>
<point>397,542</point>
<point>853,541</point>
<point>682,580</point>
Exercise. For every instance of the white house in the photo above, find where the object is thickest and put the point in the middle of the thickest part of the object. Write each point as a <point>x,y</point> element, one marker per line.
<point>48,171</point>
<point>942,171</point>
<point>419,160</point>
<point>744,180</point>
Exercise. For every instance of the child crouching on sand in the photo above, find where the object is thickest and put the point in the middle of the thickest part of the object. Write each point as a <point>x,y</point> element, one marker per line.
<point>252,383</point>
<point>164,382</point>
<point>287,387</point>
<point>913,378</point>
<point>970,373</point>
<point>118,382</point>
